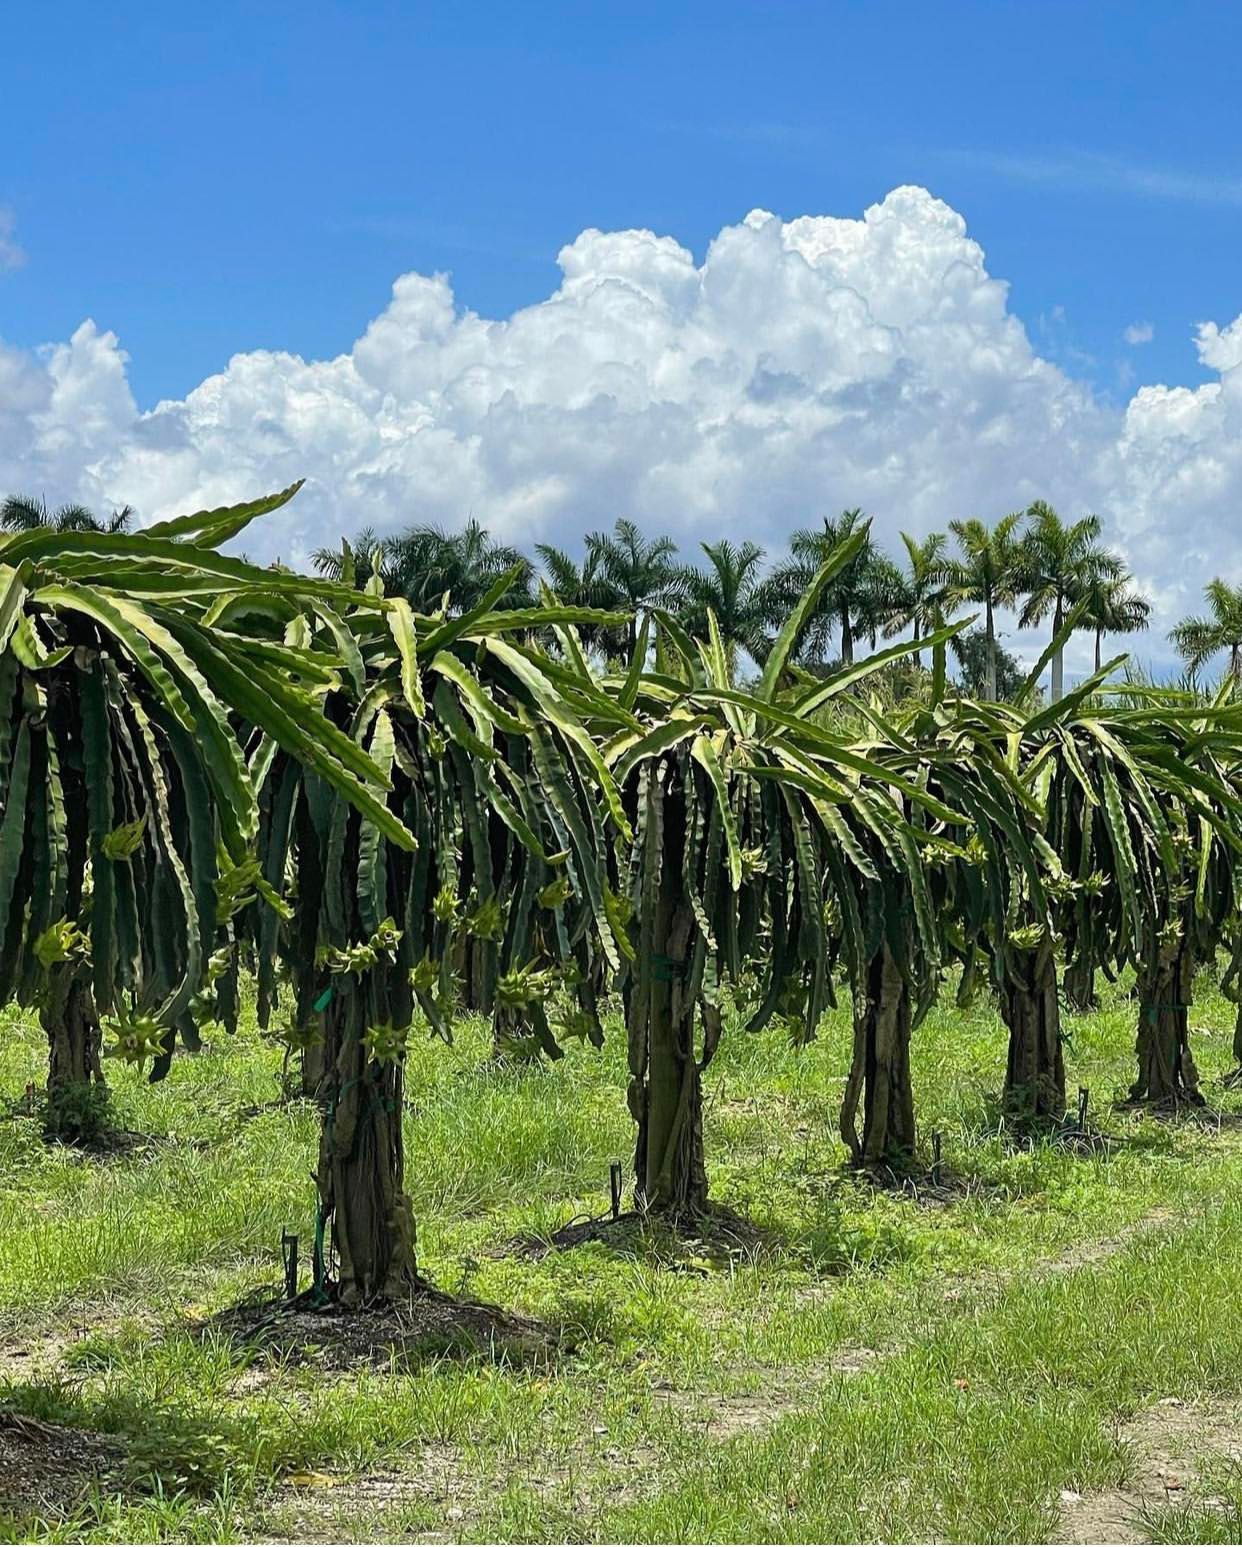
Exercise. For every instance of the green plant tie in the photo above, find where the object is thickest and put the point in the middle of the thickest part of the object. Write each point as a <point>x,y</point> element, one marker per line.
<point>319,1293</point>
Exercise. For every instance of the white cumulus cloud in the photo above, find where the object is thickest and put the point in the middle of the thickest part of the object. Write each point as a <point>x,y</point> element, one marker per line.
<point>1139,333</point>
<point>800,367</point>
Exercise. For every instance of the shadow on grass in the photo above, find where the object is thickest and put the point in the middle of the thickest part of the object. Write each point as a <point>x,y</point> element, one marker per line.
<point>1186,1114</point>
<point>1079,1132</point>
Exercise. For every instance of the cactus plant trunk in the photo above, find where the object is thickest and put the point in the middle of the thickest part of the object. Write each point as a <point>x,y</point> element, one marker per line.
<point>666,1095</point>
<point>880,1073</point>
<point>361,1174</point>
<point>1167,1076</point>
<point>69,1019</point>
<point>1080,992</point>
<point>1034,1092</point>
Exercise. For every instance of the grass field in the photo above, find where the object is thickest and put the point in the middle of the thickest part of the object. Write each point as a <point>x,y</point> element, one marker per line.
<point>1048,1343</point>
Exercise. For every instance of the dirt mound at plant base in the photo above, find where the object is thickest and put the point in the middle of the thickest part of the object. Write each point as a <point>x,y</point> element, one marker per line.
<point>48,1468</point>
<point>429,1325</point>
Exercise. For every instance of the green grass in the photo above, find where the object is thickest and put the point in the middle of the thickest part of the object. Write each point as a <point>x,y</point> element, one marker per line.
<point>701,1400</point>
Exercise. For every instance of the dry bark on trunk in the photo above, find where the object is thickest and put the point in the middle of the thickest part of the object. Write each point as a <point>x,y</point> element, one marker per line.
<point>1167,1076</point>
<point>1035,1071</point>
<point>880,1072</point>
<point>361,1173</point>
<point>75,1043</point>
<point>312,1069</point>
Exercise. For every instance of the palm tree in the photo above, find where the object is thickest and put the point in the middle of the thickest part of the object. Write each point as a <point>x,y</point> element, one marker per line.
<point>731,589</point>
<point>355,561</point>
<point>1197,640</point>
<point>424,563</point>
<point>25,513</point>
<point>985,574</point>
<point>1058,564</point>
<point>1114,607</point>
<point>643,573</point>
<point>583,585</point>
<point>921,599</point>
<point>861,599</point>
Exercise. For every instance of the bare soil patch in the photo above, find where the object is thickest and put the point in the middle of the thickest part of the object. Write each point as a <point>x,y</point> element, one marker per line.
<point>1087,1254</point>
<point>768,1395</point>
<point>435,1482</point>
<point>1170,1444</point>
<point>47,1468</point>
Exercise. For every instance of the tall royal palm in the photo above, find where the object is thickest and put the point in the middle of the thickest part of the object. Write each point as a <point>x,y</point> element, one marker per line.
<point>1198,639</point>
<point>1113,607</point>
<point>425,563</point>
<point>1059,562</point>
<point>921,598</point>
<point>984,574</point>
<point>22,513</point>
<point>860,600</point>
<point>642,572</point>
<point>581,585</point>
<point>730,588</point>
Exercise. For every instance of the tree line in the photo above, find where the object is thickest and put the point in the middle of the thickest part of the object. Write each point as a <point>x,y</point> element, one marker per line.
<point>1033,562</point>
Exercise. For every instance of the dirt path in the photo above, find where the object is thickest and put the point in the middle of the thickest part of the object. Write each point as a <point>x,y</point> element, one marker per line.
<point>1171,1444</point>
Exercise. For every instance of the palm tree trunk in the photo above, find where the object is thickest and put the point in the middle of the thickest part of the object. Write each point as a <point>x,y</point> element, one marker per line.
<point>847,641</point>
<point>1099,640</point>
<point>1058,657</point>
<point>918,654</point>
<point>991,661</point>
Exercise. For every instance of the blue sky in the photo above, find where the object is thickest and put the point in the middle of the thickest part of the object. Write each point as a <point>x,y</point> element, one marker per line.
<point>1001,264</point>
<point>206,179</point>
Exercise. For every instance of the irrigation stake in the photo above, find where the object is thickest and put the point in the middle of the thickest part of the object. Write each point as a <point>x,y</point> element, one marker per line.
<point>1084,1095</point>
<point>289,1251</point>
<point>935,1171</point>
<point>614,1182</point>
